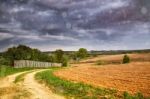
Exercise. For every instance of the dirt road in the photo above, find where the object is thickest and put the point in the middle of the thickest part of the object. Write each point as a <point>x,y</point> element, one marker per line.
<point>29,88</point>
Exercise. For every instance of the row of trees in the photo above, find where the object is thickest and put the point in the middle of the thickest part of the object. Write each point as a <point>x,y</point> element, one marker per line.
<point>23,52</point>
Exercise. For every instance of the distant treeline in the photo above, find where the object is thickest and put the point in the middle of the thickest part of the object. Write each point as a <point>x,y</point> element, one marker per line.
<point>112,52</point>
<point>103,52</point>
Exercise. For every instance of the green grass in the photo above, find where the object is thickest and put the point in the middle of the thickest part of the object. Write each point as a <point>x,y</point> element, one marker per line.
<point>21,77</point>
<point>72,89</point>
<point>7,70</point>
<point>138,95</point>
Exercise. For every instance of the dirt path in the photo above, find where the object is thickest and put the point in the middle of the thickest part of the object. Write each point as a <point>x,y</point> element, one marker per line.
<point>29,85</point>
<point>38,91</point>
<point>8,89</point>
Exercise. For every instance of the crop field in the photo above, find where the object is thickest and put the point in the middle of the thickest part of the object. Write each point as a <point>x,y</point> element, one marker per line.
<point>144,57</point>
<point>133,77</point>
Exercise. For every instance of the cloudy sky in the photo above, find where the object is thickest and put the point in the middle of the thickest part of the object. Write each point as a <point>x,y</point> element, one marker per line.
<point>71,24</point>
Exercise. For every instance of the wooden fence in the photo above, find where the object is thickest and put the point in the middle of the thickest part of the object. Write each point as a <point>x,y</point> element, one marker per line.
<point>35,64</point>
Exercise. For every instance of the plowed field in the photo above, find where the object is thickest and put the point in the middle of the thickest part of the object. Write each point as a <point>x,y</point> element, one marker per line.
<point>133,77</point>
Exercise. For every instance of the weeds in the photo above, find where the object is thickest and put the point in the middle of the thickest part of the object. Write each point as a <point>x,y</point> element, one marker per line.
<point>138,95</point>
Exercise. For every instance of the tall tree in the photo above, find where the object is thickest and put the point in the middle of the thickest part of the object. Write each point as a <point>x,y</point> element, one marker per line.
<point>59,55</point>
<point>82,53</point>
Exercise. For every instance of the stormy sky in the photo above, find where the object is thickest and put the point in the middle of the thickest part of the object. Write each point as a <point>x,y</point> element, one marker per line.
<point>71,24</point>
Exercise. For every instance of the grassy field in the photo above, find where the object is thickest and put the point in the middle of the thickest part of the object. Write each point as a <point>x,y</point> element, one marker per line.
<point>7,70</point>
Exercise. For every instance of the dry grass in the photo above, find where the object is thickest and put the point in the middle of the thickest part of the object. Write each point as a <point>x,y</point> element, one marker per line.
<point>13,92</point>
<point>133,77</point>
<point>118,58</point>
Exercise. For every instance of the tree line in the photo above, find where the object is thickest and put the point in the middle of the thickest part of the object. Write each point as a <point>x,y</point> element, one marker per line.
<point>22,52</point>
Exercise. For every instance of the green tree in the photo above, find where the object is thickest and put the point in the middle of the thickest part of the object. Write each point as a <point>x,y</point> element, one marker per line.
<point>35,55</point>
<point>126,59</point>
<point>51,58</point>
<point>59,55</point>
<point>82,53</point>
<point>65,61</point>
<point>23,52</point>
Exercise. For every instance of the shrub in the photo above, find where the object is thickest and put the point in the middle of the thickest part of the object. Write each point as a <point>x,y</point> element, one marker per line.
<point>100,62</point>
<point>126,59</point>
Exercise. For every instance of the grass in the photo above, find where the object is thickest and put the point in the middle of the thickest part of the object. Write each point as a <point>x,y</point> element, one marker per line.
<point>22,94</point>
<point>138,95</point>
<point>21,77</point>
<point>7,70</point>
<point>74,90</point>
<point>14,92</point>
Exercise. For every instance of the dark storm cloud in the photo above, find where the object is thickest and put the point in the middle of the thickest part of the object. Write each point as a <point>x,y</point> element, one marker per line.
<point>70,24</point>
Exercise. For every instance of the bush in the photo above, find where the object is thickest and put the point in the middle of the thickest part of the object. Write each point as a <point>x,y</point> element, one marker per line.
<point>100,62</point>
<point>126,59</point>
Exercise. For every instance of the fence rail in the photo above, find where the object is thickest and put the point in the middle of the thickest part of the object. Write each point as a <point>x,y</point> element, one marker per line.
<point>35,64</point>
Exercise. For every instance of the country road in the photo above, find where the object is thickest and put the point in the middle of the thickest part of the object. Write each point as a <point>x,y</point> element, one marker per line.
<point>29,88</point>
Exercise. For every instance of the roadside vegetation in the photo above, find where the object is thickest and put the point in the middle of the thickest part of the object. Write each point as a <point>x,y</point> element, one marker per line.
<point>7,70</point>
<point>138,95</point>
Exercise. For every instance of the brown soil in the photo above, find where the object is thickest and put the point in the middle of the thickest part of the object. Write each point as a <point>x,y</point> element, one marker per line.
<point>133,77</point>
